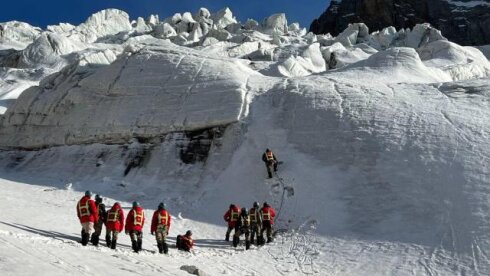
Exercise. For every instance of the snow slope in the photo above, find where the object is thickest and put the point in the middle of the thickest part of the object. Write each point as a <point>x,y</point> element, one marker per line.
<point>384,139</point>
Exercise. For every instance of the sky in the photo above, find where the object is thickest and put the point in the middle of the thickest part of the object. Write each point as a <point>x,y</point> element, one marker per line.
<point>49,12</point>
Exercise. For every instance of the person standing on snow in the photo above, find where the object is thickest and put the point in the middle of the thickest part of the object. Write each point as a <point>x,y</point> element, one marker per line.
<point>270,161</point>
<point>267,214</point>
<point>185,242</point>
<point>114,225</point>
<point>99,223</point>
<point>134,226</point>
<point>87,214</point>
<point>160,226</point>
<point>255,222</point>
<point>231,216</point>
<point>242,227</point>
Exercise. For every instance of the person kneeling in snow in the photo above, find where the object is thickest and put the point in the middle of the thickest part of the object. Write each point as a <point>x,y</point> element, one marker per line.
<point>114,225</point>
<point>185,242</point>
<point>134,226</point>
<point>87,213</point>
<point>160,225</point>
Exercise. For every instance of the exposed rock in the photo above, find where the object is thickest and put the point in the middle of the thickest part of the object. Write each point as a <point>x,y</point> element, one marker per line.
<point>464,22</point>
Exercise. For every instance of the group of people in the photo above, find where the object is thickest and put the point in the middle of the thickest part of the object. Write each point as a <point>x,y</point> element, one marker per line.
<point>93,216</point>
<point>250,223</point>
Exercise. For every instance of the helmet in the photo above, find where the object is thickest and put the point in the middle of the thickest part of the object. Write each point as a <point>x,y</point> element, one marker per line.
<point>256,204</point>
<point>116,205</point>
<point>188,233</point>
<point>267,149</point>
<point>266,204</point>
<point>98,199</point>
<point>232,206</point>
<point>161,205</point>
<point>135,204</point>
<point>88,193</point>
<point>244,211</point>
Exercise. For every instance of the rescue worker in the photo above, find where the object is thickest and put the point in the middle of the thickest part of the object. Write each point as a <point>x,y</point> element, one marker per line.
<point>255,222</point>
<point>242,228</point>
<point>268,214</point>
<point>270,161</point>
<point>231,216</point>
<point>160,226</point>
<point>114,225</point>
<point>134,226</point>
<point>102,217</point>
<point>185,242</point>
<point>87,214</point>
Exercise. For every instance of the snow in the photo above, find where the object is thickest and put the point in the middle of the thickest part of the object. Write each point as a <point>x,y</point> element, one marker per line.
<point>384,138</point>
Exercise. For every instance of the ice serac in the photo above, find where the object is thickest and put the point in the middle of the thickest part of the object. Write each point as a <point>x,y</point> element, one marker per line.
<point>465,22</point>
<point>156,91</point>
<point>17,35</point>
<point>101,24</point>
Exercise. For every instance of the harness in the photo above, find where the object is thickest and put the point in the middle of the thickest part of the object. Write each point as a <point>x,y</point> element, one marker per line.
<point>234,215</point>
<point>113,215</point>
<point>269,155</point>
<point>266,216</point>
<point>138,218</point>
<point>84,208</point>
<point>253,215</point>
<point>163,219</point>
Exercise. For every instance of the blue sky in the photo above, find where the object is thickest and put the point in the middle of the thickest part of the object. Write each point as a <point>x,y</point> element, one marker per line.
<point>47,12</point>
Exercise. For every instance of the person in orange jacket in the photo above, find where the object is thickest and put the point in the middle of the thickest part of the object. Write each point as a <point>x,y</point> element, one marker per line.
<point>267,214</point>
<point>160,226</point>
<point>185,242</point>
<point>134,226</point>
<point>114,225</point>
<point>88,215</point>
<point>231,216</point>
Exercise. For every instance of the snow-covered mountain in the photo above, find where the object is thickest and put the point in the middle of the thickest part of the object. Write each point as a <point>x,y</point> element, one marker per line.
<point>384,138</point>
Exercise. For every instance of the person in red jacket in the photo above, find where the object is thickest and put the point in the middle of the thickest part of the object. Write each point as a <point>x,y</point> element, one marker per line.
<point>231,216</point>
<point>114,225</point>
<point>185,242</point>
<point>160,226</point>
<point>267,213</point>
<point>134,226</point>
<point>88,215</point>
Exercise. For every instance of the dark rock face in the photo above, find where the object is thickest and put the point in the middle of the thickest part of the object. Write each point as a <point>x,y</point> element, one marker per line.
<point>461,21</point>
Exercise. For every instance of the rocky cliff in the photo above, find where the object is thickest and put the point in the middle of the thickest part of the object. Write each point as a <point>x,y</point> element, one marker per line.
<point>465,22</point>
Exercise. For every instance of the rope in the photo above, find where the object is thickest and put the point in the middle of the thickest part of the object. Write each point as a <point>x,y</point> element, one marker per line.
<point>282,197</point>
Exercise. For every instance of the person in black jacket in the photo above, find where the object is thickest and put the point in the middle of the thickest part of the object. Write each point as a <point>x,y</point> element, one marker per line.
<point>270,161</point>
<point>242,227</point>
<point>102,218</point>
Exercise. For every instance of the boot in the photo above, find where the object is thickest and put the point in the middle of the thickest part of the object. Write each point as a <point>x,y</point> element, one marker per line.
<point>140,244</point>
<point>108,240</point>
<point>113,244</point>
<point>236,240</point>
<point>269,239</point>
<point>94,239</point>
<point>247,245</point>
<point>227,238</point>
<point>260,240</point>
<point>85,238</point>
<point>134,245</point>
<point>160,247</point>
<point>165,248</point>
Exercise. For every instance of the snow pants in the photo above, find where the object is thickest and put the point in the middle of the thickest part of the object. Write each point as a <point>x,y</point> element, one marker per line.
<point>238,233</point>
<point>161,236</point>
<point>111,238</point>
<point>87,229</point>
<point>228,232</point>
<point>271,165</point>
<point>136,240</point>
<point>98,230</point>
<point>266,227</point>
<point>254,232</point>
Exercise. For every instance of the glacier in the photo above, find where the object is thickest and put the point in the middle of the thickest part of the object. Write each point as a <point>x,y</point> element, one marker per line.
<point>384,138</point>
